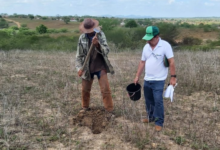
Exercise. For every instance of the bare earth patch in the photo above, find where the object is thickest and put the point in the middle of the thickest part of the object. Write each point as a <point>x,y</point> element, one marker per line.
<point>95,119</point>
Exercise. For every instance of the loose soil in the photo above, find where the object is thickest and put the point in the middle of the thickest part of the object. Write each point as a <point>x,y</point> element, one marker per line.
<point>95,119</point>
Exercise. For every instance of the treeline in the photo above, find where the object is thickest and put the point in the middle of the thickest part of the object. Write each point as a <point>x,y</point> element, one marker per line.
<point>127,35</point>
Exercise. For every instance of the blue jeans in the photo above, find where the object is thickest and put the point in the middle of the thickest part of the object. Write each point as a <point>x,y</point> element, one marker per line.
<point>153,93</point>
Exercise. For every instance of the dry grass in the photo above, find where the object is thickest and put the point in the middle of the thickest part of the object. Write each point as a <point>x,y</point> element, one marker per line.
<point>40,94</point>
<point>197,33</point>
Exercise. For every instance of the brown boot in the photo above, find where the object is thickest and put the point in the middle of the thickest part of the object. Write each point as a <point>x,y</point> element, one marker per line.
<point>106,92</point>
<point>158,128</point>
<point>145,121</point>
<point>86,88</point>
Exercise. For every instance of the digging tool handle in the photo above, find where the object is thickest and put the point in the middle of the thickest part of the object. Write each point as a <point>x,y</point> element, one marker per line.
<point>88,55</point>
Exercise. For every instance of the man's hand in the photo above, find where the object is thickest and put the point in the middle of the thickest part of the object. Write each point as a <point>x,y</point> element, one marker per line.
<point>80,72</point>
<point>95,41</point>
<point>136,79</point>
<point>173,81</point>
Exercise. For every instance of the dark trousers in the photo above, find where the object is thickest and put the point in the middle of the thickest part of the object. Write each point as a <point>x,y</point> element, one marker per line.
<point>153,93</point>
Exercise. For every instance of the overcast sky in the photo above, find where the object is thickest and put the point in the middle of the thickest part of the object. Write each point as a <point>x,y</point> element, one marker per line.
<point>153,8</point>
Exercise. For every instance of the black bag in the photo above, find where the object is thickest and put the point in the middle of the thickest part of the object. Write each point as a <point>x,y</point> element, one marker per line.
<point>165,61</point>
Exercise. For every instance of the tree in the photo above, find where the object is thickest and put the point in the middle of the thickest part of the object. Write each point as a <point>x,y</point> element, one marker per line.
<point>0,16</point>
<point>66,20</point>
<point>44,18</point>
<point>41,29</point>
<point>31,16</point>
<point>131,24</point>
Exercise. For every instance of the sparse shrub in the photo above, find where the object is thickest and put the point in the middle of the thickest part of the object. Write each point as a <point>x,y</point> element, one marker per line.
<point>208,41</point>
<point>76,31</point>
<point>23,25</point>
<point>215,43</point>
<point>180,140</point>
<point>53,31</point>
<point>191,41</point>
<point>28,32</point>
<point>63,30</point>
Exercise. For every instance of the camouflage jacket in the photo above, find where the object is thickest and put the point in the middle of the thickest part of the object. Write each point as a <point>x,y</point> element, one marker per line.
<point>82,50</point>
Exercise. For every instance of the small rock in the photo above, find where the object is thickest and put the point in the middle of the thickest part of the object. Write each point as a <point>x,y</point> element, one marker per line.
<point>154,145</point>
<point>104,124</point>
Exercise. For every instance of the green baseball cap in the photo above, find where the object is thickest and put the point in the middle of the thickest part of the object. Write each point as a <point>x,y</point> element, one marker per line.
<point>151,31</point>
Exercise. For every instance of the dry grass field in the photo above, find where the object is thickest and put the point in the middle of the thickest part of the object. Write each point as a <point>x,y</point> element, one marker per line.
<point>197,33</point>
<point>53,24</point>
<point>40,95</point>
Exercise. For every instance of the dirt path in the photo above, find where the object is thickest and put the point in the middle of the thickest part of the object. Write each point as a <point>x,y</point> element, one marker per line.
<point>17,23</point>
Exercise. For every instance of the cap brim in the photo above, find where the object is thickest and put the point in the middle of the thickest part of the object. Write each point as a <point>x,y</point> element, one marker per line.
<point>147,37</point>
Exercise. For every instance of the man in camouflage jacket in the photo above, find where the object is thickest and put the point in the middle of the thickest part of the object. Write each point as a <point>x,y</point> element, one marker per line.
<point>97,64</point>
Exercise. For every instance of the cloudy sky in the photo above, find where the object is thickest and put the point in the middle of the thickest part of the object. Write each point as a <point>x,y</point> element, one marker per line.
<point>153,8</point>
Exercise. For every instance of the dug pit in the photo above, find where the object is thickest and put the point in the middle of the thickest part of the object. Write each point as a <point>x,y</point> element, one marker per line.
<point>97,119</point>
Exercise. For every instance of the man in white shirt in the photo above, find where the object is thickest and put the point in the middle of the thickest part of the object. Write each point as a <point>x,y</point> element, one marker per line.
<point>154,53</point>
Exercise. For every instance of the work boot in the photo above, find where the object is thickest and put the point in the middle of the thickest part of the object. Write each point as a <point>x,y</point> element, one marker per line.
<point>158,128</point>
<point>106,92</point>
<point>86,88</point>
<point>147,120</point>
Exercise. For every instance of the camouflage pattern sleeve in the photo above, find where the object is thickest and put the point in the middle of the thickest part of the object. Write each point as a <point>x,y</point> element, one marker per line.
<point>103,44</point>
<point>79,55</point>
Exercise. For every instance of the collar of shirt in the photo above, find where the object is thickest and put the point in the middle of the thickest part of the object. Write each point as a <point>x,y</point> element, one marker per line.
<point>159,44</point>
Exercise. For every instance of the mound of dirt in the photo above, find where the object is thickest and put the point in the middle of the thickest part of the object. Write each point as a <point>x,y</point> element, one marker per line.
<point>97,119</point>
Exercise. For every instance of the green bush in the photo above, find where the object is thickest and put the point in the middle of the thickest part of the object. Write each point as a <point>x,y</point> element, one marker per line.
<point>23,25</point>
<point>28,32</point>
<point>41,29</point>
<point>14,28</point>
<point>131,24</point>
<point>53,31</point>
<point>23,29</point>
<point>215,43</point>
<point>63,30</point>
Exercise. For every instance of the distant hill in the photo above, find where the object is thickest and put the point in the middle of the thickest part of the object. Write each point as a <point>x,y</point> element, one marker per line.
<point>127,16</point>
